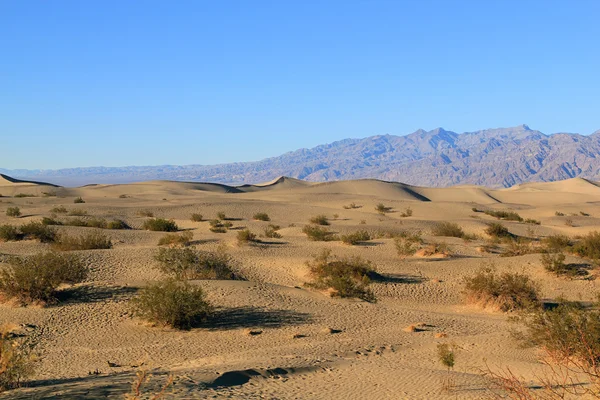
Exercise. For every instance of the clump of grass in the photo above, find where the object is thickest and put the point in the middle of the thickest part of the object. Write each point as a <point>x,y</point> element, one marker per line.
<point>59,210</point>
<point>14,212</point>
<point>450,229</point>
<point>160,225</point>
<point>504,215</point>
<point>187,263</point>
<point>175,240</point>
<point>507,291</point>
<point>196,217</point>
<point>16,359</point>
<point>320,220</point>
<point>497,230</point>
<point>382,209</point>
<point>117,224</point>
<point>356,237</point>
<point>261,216</point>
<point>407,244</point>
<point>39,231</point>
<point>77,212</point>
<point>172,303</point>
<point>10,233</point>
<point>318,233</point>
<point>145,213</point>
<point>407,213</point>
<point>351,206</point>
<point>246,237</point>
<point>271,231</point>
<point>90,241</point>
<point>37,278</point>
<point>344,277</point>
<point>78,200</point>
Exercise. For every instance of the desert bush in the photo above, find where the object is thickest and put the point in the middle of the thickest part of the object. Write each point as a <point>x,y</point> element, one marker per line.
<point>172,303</point>
<point>145,213</point>
<point>555,264</point>
<point>382,208</point>
<point>271,231</point>
<point>76,222</point>
<point>77,212</point>
<point>196,217</point>
<point>174,239</point>
<point>555,243</point>
<point>584,214</point>
<point>160,224</point>
<point>505,215</point>
<point>450,229</point>
<point>518,247</point>
<point>90,241</point>
<point>532,221</point>
<point>497,230</point>
<point>318,234</point>
<point>345,277</point>
<point>96,223</point>
<point>117,224</point>
<point>446,355</point>
<point>221,215</point>
<point>16,359</point>
<point>475,209</point>
<point>227,224</point>
<point>59,210</point>
<point>39,231</point>
<point>351,206</point>
<point>407,213</point>
<point>187,263</point>
<point>10,233</point>
<point>507,291</point>
<point>123,196</point>
<point>559,214</point>
<point>436,248</point>
<point>356,237</point>
<point>50,221</point>
<point>217,226</point>
<point>37,278</point>
<point>261,216</point>
<point>13,212</point>
<point>569,222</point>
<point>589,246</point>
<point>408,244</point>
<point>21,195</point>
<point>246,237</point>
<point>319,220</point>
<point>78,200</point>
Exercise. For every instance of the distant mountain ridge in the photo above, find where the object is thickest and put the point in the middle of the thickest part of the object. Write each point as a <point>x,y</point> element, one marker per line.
<point>500,157</point>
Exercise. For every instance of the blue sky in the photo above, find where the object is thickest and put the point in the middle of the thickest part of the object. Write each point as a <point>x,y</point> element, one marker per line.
<point>115,83</point>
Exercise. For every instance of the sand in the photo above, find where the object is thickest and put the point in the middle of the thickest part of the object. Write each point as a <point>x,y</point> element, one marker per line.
<point>272,337</point>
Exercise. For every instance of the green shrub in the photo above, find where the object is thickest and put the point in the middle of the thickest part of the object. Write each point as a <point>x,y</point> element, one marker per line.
<point>497,230</point>
<point>589,246</point>
<point>505,215</point>
<point>76,222</point>
<point>196,217</point>
<point>39,231</point>
<point>186,263</point>
<point>50,221</point>
<point>16,359</point>
<point>407,245</point>
<point>227,224</point>
<point>518,247</point>
<point>13,212</point>
<point>9,233</point>
<point>37,278</point>
<point>160,224</point>
<point>356,237</point>
<point>320,220</point>
<point>172,303</point>
<point>318,234</point>
<point>90,241</point>
<point>78,200</point>
<point>446,355</point>
<point>271,231</point>
<point>59,210</point>
<point>555,264</point>
<point>345,277</point>
<point>245,237</point>
<point>507,291</point>
<point>77,212</point>
<point>556,243</point>
<point>174,239</point>
<point>261,216</point>
<point>117,224</point>
<point>217,226</point>
<point>450,229</point>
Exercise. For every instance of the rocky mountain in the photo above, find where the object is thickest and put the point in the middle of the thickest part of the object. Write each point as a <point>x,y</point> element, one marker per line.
<point>493,157</point>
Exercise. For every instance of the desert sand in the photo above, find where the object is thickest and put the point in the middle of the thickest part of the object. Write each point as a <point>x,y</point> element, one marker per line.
<point>310,345</point>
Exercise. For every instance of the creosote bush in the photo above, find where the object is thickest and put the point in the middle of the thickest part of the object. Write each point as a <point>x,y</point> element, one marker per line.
<point>16,359</point>
<point>504,215</point>
<point>10,233</point>
<point>407,244</point>
<point>446,355</point>
<point>78,200</point>
<point>450,229</point>
<point>172,303</point>
<point>89,241</point>
<point>187,263</point>
<point>221,215</point>
<point>508,291</point>
<point>407,213</point>
<point>555,264</point>
<point>173,239</point>
<point>589,246</point>
<point>160,224</point>
<point>246,237</point>
<point>59,210</point>
<point>555,243</point>
<point>117,224</point>
<point>196,217</point>
<point>319,220</point>
<point>37,278</point>
<point>497,230</point>
<point>145,213</point>
<point>345,277</point>
<point>271,231</point>
<point>39,231</point>
<point>355,237</point>
<point>261,216</point>
<point>318,233</point>
<point>77,212</point>
<point>351,206</point>
<point>217,226</point>
<point>382,208</point>
<point>13,212</point>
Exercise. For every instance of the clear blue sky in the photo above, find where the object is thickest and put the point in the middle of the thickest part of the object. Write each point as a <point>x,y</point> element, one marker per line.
<point>114,83</point>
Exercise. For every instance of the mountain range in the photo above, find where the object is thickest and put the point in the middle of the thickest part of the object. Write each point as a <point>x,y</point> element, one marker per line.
<point>500,157</point>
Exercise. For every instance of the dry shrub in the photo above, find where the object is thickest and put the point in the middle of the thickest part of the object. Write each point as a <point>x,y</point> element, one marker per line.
<point>504,215</point>
<point>221,215</point>
<point>161,225</point>
<point>589,246</point>
<point>271,231</point>
<point>319,220</point>
<point>449,229</point>
<point>196,217</point>
<point>318,234</point>
<point>356,237</point>
<point>555,243</point>
<point>518,247</point>
<point>351,206</point>
<point>246,237</point>
<point>117,224</point>
<point>89,241</point>
<point>382,209</point>
<point>59,210</point>
<point>39,231</point>
<point>261,216</point>
<point>16,359</point>
<point>345,277</point>
<point>76,212</point>
<point>497,230</point>
<point>13,212</point>
<point>407,213</point>
<point>172,303</point>
<point>145,213</point>
<point>188,263</point>
<point>407,244</point>
<point>436,248</point>
<point>139,390</point>
<point>78,200</point>
<point>10,233</point>
<point>175,240</point>
<point>508,291</point>
<point>37,278</point>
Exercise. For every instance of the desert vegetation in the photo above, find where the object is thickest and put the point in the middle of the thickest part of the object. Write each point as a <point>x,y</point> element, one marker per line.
<point>261,216</point>
<point>160,224</point>
<point>187,263</point>
<point>13,212</point>
<point>90,241</point>
<point>318,233</point>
